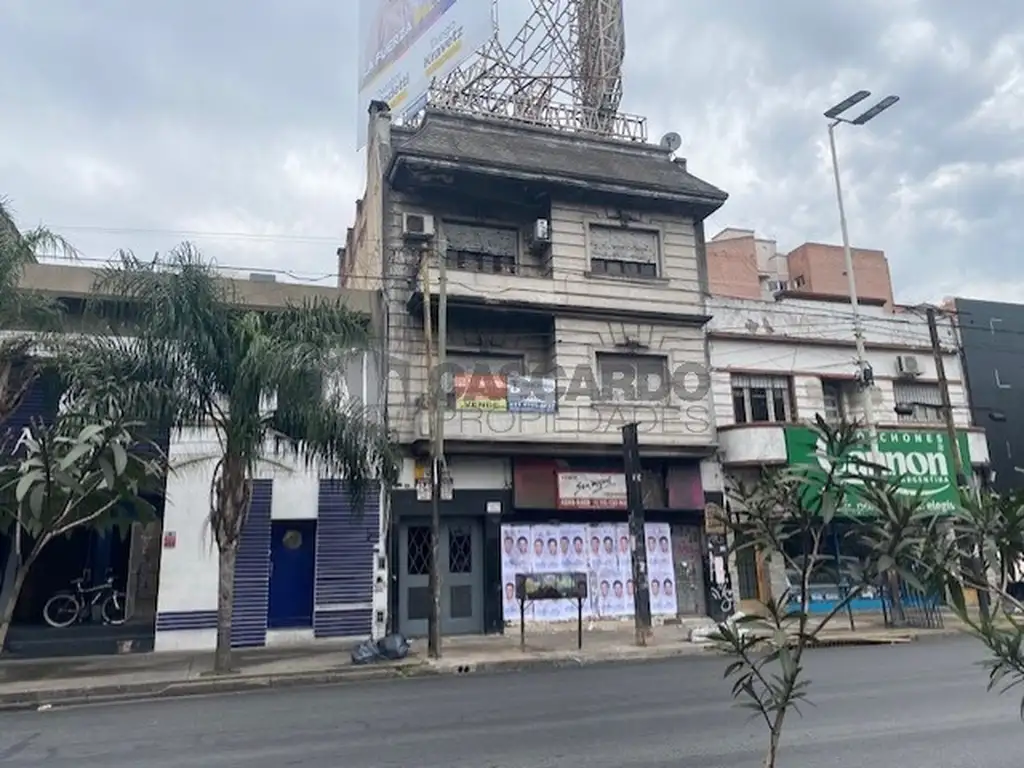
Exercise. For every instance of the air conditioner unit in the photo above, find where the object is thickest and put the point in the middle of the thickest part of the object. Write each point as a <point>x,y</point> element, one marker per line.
<point>907,367</point>
<point>540,237</point>
<point>417,226</point>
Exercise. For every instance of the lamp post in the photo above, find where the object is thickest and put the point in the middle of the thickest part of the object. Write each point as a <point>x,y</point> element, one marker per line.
<point>865,376</point>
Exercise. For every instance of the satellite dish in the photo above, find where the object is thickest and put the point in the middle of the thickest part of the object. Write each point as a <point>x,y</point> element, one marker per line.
<point>671,141</point>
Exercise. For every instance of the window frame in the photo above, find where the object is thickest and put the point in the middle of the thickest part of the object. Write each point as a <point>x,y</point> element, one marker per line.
<point>842,394</point>
<point>922,411</point>
<point>742,387</point>
<point>605,395</point>
<point>503,264</point>
<point>601,267</point>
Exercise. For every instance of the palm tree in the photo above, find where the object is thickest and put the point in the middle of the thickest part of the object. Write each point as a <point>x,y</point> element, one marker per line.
<point>185,354</point>
<point>38,315</point>
<point>21,309</point>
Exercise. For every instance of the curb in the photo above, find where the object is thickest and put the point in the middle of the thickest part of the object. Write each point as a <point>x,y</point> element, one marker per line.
<point>110,694</point>
<point>34,700</point>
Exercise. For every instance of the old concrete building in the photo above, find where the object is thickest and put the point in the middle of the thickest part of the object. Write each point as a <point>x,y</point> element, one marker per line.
<point>781,354</point>
<point>575,280</point>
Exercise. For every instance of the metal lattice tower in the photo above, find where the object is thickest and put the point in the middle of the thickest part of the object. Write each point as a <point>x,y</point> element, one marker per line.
<point>563,69</point>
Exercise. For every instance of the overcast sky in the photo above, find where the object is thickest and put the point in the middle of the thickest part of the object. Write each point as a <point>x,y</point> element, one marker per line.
<point>128,124</point>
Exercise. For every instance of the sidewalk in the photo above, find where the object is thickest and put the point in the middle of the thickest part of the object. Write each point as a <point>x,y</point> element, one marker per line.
<point>30,684</point>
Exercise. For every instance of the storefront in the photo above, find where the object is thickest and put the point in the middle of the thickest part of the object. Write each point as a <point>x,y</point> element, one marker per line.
<point>922,458</point>
<point>571,516</point>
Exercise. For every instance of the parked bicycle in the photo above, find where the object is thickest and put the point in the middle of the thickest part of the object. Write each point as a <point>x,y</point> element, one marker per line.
<point>73,606</point>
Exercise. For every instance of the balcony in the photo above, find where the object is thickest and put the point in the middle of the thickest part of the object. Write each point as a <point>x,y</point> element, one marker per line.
<point>499,281</point>
<point>530,410</point>
<point>764,444</point>
<point>750,445</point>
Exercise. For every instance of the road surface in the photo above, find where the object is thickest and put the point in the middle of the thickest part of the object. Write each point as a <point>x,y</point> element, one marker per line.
<point>922,704</point>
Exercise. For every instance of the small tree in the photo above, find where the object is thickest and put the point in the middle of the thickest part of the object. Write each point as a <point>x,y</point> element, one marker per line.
<point>992,525</point>
<point>787,514</point>
<point>77,473</point>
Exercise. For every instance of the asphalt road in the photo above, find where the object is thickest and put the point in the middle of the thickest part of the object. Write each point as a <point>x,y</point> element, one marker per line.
<point>921,704</point>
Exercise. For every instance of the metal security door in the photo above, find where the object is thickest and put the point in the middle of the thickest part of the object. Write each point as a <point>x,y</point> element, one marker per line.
<point>462,586</point>
<point>414,579</point>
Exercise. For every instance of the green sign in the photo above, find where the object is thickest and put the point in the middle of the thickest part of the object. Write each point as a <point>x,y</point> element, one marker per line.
<point>923,460</point>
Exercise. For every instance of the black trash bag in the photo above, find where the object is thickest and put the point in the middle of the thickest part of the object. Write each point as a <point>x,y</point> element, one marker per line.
<point>393,647</point>
<point>365,653</point>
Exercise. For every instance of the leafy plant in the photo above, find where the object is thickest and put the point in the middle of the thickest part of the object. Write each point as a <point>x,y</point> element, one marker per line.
<point>73,474</point>
<point>993,525</point>
<point>183,353</point>
<point>787,515</point>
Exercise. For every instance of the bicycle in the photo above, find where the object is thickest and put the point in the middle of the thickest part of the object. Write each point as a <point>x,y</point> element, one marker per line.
<point>69,607</point>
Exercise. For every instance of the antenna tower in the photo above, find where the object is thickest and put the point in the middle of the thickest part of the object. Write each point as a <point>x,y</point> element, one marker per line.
<point>563,69</point>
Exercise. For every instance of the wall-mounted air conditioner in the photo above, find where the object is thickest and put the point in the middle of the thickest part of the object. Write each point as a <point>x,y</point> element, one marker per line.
<point>540,235</point>
<point>417,226</point>
<point>907,367</point>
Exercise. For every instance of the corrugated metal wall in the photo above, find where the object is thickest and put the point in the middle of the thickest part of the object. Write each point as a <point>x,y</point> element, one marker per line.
<point>252,572</point>
<point>345,539</point>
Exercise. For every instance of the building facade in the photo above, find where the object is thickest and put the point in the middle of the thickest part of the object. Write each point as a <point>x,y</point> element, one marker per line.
<point>574,279</point>
<point>992,339</point>
<point>781,357</point>
<point>307,565</point>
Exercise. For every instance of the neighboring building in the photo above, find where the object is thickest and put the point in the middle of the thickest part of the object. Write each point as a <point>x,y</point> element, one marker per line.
<point>575,274</point>
<point>744,266</point>
<point>779,359</point>
<point>992,340</point>
<point>306,565</point>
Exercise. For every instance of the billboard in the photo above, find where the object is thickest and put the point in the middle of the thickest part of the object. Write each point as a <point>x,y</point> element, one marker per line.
<point>405,44</point>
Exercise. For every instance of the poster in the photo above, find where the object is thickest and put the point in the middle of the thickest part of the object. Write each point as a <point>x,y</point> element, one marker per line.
<point>602,551</point>
<point>515,559</point>
<point>660,569</point>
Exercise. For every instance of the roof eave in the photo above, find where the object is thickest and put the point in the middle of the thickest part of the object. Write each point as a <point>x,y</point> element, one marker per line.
<point>705,204</point>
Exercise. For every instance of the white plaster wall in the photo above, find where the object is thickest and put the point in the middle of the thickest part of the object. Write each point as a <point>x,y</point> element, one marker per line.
<point>477,473</point>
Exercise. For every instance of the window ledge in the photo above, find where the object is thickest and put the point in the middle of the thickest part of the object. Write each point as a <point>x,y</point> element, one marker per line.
<point>635,404</point>
<point>659,281</point>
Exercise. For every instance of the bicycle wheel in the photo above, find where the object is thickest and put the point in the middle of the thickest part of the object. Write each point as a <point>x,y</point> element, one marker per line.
<point>114,608</point>
<point>62,610</point>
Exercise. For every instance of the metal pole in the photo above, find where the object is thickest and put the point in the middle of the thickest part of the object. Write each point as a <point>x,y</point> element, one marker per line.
<point>434,575</point>
<point>977,564</point>
<point>867,383</point>
<point>635,504</point>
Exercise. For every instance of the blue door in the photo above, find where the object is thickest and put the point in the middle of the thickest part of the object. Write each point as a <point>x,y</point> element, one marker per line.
<point>292,569</point>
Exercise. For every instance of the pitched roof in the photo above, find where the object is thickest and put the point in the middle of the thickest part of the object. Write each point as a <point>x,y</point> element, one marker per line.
<point>572,158</point>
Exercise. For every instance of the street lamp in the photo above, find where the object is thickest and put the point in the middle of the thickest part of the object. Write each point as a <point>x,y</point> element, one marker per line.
<point>865,375</point>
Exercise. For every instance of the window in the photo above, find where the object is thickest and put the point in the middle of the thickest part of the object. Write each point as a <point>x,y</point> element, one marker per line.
<point>633,378</point>
<point>622,252</point>
<point>925,399</point>
<point>761,399</point>
<point>480,248</point>
<point>480,377</point>
<point>835,394</point>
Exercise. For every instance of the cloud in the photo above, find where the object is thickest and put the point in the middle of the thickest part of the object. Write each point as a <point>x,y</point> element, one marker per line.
<point>137,125</point>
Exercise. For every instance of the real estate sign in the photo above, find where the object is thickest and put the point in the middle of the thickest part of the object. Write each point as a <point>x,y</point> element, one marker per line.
<point>922,459</point>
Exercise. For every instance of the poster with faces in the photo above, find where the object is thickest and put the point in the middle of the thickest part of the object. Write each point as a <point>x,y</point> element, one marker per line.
<point>606,568</point>
<point>515,559</point>
<point>660,569</point>
<point>572,544</point>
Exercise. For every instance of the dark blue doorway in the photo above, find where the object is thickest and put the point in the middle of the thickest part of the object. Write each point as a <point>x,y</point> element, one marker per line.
<point>292,570</point>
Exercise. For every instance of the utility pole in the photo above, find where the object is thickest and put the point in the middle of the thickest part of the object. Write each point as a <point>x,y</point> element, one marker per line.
<point>433,397</point>
<point>638,541</point>
<point>951,436</point>
<point>865,376</point>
